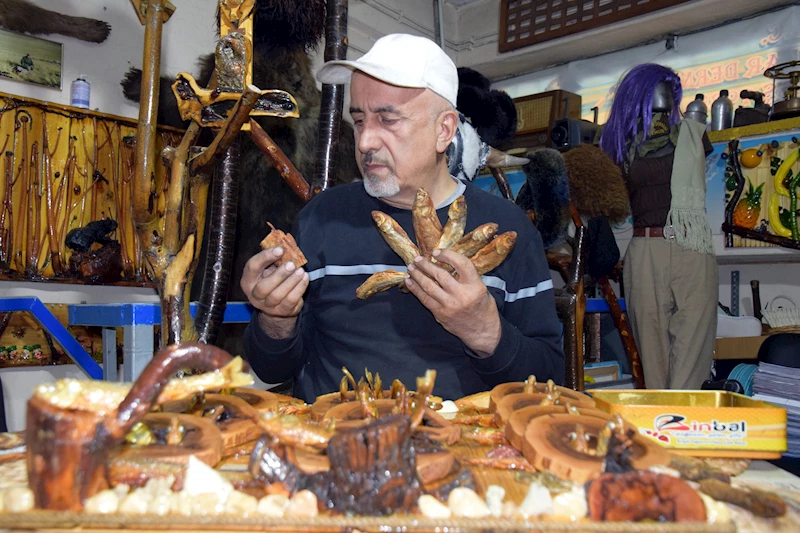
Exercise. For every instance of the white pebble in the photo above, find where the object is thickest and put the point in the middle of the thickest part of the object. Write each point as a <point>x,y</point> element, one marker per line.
<point>466,502</point>
<point>206,504</point>
<point>18,500</point>
<point>273,505</point>
<point>537,501</point>
<point>135,502</point>
<point>241,504</point>
<point>433,508</point>
<point>181,504</point>
<point>104,502</point>
<point>303,503</point>
<point>161,504</point>
<point>571,504</point>
<point>494,499</point>
<point>121,490</point>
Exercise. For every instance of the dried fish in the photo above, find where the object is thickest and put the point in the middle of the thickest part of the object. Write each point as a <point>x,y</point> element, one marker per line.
<point>473,241</point>
<point>396,237</point>
<point>457,220</point>
<point>427,227</point>
<point>490,256</point>
<point>379,282</point>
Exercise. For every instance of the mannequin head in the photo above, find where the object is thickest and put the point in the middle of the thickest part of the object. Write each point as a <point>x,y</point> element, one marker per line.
<point>662,98</point>
<point>646,89</point>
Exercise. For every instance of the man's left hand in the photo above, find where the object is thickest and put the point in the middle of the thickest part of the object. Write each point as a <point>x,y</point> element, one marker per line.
<point>462,306</point>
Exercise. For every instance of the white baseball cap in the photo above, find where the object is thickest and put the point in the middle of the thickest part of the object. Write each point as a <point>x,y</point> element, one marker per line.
<point>402,60</point>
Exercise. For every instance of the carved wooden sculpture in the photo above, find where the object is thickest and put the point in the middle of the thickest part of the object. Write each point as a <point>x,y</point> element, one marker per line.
<point>226,105</point>
<point>69,435</point>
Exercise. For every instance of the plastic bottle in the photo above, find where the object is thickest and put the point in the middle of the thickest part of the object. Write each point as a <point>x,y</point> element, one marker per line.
<point>721,112</point>
<point>697,109</point>
<point>79,92</point>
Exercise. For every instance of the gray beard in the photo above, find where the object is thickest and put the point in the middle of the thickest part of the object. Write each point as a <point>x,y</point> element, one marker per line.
<point>379,188</point>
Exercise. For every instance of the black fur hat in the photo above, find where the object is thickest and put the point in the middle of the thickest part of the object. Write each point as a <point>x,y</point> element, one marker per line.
<point>491,112</point>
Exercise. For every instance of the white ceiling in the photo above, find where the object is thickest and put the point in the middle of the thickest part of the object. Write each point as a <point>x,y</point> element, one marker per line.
<point>460,2</point>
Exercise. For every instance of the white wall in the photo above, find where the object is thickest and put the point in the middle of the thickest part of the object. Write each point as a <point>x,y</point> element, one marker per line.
<point>189,33</point>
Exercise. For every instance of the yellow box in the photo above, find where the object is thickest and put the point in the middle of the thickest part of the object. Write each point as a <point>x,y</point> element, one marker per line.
<point>702,423</point>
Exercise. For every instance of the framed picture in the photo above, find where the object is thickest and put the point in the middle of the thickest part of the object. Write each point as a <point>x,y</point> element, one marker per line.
<point>30,59</point>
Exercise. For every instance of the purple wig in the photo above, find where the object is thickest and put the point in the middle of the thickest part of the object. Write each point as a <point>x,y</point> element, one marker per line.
<point>634,101</point>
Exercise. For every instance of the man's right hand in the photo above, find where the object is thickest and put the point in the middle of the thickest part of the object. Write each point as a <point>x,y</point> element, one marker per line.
<point>275,291</point>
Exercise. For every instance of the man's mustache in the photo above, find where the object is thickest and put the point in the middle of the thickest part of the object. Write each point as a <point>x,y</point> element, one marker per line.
<point>370,159</point>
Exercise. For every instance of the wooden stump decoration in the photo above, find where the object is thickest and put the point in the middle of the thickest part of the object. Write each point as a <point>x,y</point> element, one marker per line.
<point>374,468</point>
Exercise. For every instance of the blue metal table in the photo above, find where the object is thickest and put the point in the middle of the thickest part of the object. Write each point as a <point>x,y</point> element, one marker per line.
<point>56,329</point>
<point>137,321</point>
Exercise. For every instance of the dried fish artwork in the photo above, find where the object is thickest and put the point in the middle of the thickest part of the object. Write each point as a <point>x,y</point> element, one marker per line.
<point>485,249</point>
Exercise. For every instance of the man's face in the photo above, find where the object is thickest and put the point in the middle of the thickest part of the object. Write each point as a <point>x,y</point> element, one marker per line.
<point>395,133</point>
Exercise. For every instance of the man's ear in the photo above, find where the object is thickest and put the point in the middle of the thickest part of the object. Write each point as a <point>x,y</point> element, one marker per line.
<point>446,127</point>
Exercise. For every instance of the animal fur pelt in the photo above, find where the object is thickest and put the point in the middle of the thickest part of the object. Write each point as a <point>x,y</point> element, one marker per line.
<point>283,33</point>
<point>492,113</point>
<point>22,16</point>
<point>596,185</point>
<point>546,193</point>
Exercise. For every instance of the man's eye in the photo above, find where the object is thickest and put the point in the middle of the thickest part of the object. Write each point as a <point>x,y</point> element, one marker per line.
<point>388,121</point>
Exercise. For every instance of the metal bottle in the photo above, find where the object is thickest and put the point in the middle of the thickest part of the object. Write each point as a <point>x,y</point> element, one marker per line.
<point>697,110</point>
<point>79,92</point>
<point>722,112</point>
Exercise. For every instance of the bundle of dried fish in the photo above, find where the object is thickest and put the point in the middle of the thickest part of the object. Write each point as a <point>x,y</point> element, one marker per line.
<point>484,250</point>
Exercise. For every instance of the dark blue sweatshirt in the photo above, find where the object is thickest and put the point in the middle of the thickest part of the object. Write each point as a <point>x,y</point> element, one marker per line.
<point>392,333</point>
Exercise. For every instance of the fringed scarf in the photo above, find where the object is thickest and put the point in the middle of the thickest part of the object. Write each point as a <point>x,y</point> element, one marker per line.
<point>687,222</point>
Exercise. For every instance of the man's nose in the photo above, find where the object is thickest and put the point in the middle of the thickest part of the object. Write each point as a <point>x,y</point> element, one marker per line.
<point>368,139</point>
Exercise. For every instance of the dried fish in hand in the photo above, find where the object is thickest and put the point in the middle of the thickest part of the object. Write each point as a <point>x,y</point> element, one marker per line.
<point>490,256</point>
<point>379,282</point>
<point>456,222</point>
<point>427,228</point>
<point>472,242</point>
<point>396,237</point>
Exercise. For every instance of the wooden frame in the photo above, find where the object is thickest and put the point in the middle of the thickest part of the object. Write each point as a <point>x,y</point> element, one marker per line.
<point>527,22</point>
<point>43,54</point>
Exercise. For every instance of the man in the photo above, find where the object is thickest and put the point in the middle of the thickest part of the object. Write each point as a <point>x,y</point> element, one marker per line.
<point>26,62</point>
<point>310,324</point>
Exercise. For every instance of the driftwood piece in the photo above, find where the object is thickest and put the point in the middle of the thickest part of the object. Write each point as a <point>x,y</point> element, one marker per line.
<point>290,174</point>
<point>625,332</point>
<point>374,468</point>
<point>67,448</point>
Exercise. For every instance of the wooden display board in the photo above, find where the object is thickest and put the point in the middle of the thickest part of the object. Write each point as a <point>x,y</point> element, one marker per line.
<point>60,168</point>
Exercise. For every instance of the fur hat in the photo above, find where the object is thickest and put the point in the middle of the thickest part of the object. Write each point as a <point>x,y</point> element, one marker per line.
<point>596,184</point>
<point>492,113</point>
<point>546,193</point>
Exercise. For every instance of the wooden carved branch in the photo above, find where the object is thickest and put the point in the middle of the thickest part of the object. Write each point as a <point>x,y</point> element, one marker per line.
<point>279,160</point>
<point>229,131</point>
<point>625,332</point>
<point>330,118</point>
<point>143,183</point>
<point>786,242</point>
<point>177,190</point>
